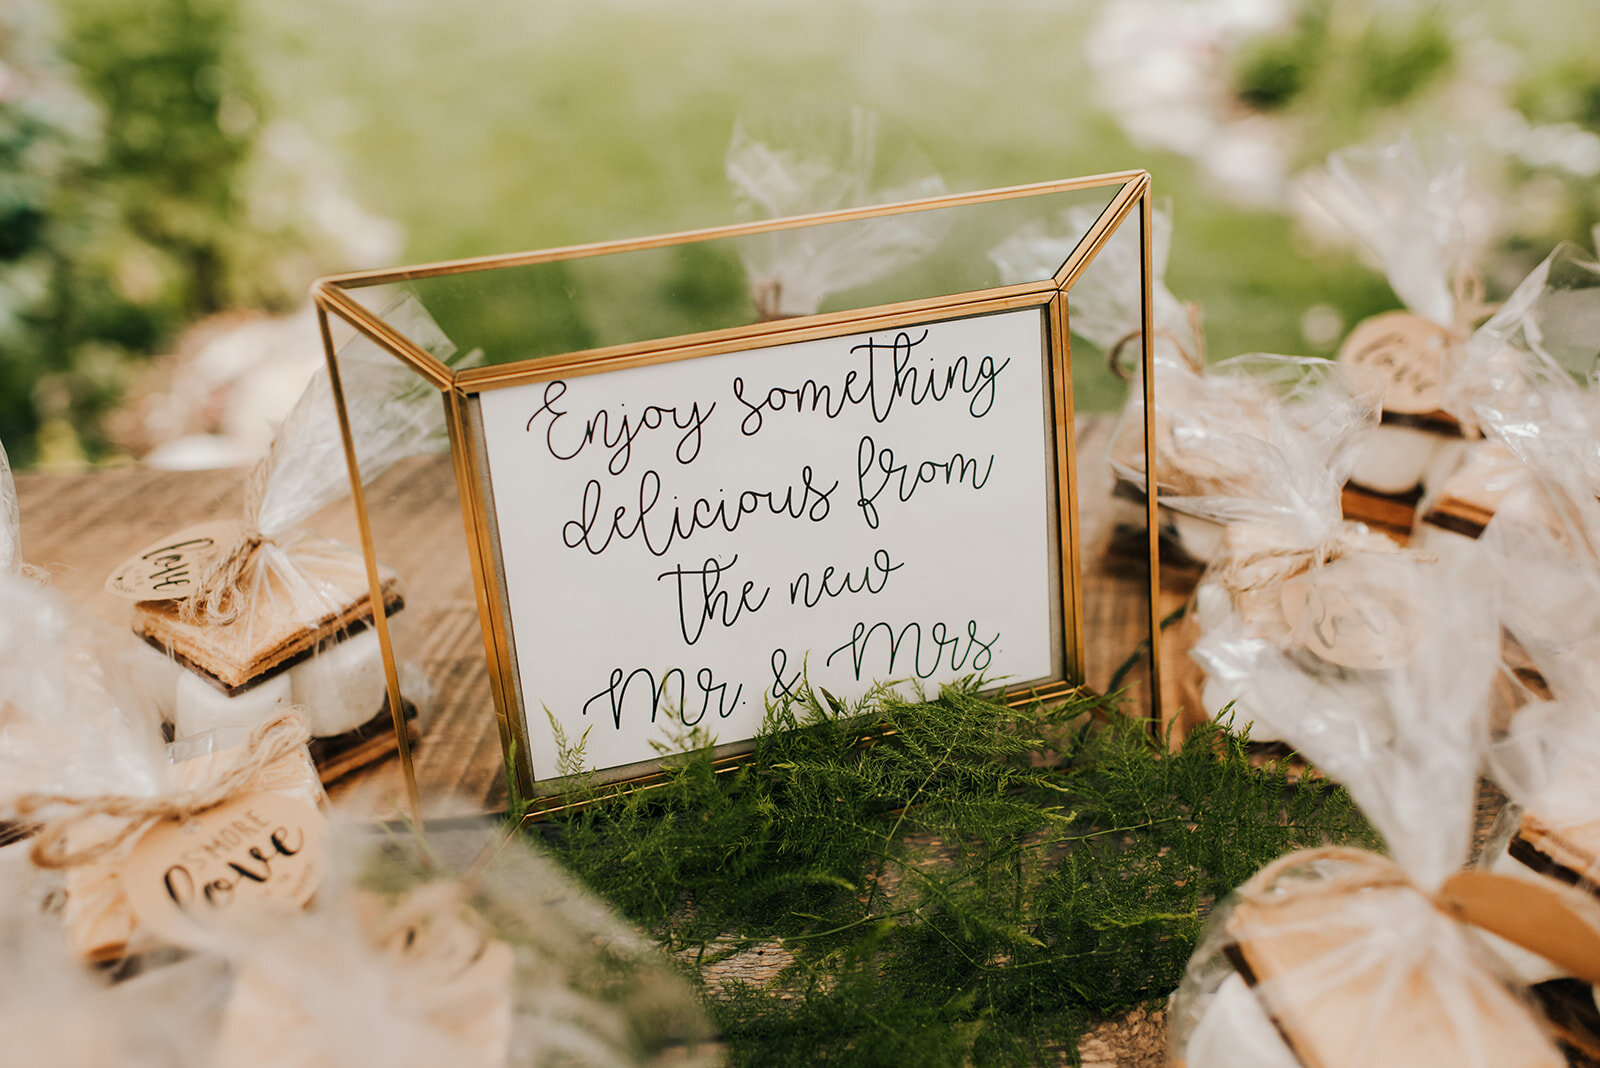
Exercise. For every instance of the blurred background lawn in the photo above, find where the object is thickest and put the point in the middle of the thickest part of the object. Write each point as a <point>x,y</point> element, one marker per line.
<point>172,171</point>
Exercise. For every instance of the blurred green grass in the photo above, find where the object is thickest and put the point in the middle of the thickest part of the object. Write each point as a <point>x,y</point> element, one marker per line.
<point>501,126</point>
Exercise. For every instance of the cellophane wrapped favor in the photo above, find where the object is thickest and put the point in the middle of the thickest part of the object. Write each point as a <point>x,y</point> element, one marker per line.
<point>811,158</point>
<point>403,961</point>
<point>1411,213</point>
<point>1543,547</point>
<point>88,780</point>
<point>10,519</point>
<point>71,727</point>
<point>1334,957</point>
<point>70,719</point>
<point>1297,604</point>
<point>56,1012</point>
<point>283,616</point>
<point>400,964</point>
<point>1243,440</point>
<point>1526,377</point>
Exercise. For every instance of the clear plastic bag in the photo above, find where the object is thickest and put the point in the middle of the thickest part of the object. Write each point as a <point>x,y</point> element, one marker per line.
<point>71,719</point>
<point>1541,547</point>
<point>811,157</point>
<point>1410,212</point>
<point>1526,378</point>
<point>55,1011</point>
<point>1106,309</point>
<point>1249,439</point>
<point>85,772</point>
<point>513,963</point>
<point>402,960</point>
<point>285,617</point>
<point>1347,953</point>
<point>1528,375</point>
<point>10,519</point>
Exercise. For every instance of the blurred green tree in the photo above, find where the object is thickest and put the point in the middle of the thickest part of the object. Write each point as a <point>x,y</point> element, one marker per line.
<point>125,130</point>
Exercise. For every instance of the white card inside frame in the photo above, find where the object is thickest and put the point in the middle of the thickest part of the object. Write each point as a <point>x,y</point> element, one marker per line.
<point>680,541</point>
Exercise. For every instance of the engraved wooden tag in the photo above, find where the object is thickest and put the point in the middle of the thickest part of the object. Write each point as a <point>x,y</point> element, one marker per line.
<point>251,854</point>
<point>171,568</point>
<point>1556,922</point>
<point>1351,620</point>
<point>1404,352</point>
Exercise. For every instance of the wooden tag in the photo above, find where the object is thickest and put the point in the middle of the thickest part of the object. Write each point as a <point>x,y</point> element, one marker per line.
<point>1560,924</point>
<point>1404,352</point>
<point>251,854</point>
<point>171,568</point>
<point>1349,619</point>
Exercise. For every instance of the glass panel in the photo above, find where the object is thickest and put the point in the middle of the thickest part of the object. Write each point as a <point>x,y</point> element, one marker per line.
<point>594,301</point>
<point>414,515</point>
<point>544,310</point>
<point>1103,314</point>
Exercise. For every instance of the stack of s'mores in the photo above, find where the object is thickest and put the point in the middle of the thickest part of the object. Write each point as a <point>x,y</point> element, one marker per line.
<point>305,637</point>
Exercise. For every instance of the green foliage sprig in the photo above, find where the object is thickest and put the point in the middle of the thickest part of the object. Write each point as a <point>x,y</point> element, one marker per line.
<point>946,881</point>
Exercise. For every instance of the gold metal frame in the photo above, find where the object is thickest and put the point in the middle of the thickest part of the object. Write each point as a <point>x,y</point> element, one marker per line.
<point>331,298</point>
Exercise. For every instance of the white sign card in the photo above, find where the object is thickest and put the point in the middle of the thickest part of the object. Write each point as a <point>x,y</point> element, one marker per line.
<point>682,542</point>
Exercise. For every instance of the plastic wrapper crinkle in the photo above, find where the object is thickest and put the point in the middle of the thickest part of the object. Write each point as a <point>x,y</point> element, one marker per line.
<point>1297,604</point>
<point>1526,378</point>
<point>88,783</point>
<point>1235,441</point>
<point>1107,311</point>
<point>812,157</point>
<point>1412,214</point>
<point>56,1012</point>
<point>10,519</point>
<point>1542,546</point>
<point>510,963</point>
<point>1337,956</point>
<point>282,616</point>
<point>71,719</point>
<point>399,962</point>
<point>1528,375</point>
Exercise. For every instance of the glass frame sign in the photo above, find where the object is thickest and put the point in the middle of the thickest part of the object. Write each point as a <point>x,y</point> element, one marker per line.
<point>670,531</point>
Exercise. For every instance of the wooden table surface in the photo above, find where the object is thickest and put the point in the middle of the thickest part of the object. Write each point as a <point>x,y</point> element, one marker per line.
<point>79,527</point>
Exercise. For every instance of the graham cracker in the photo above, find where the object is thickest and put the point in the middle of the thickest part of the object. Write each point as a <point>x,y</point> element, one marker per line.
<point>1571,854</point>
<point>1328,1024</point>
<point>338,755</point>
<point>275,631</point>
<point>1473,492</point>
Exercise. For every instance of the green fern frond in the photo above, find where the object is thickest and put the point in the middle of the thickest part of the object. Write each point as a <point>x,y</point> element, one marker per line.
<point>957,881</point>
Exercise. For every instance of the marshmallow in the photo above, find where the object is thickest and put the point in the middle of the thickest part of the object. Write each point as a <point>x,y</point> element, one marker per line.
<point>1200,538</point>
<point>1393,459</point>
<point>156,674</point>
<point>201,706</point>
<point>1235,1032</point>
<point>342,686</point>
<point>1445,544</point>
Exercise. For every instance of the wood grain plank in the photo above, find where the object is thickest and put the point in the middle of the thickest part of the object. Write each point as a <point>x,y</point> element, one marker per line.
<point>80,527</point>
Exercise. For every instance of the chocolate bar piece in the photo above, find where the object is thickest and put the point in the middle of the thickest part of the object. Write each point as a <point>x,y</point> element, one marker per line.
<point>1393,513</point>
<point>340,754</point>
<point>1473,492</point>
